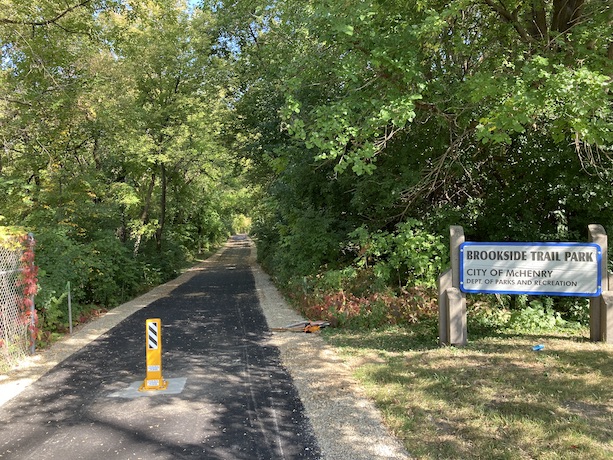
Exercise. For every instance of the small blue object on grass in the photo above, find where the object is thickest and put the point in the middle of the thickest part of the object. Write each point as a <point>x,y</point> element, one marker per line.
<point>538,347</point>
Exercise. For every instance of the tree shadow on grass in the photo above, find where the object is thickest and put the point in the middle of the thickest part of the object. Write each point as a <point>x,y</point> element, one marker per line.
<point>419,336</point>
<point>495,397</point>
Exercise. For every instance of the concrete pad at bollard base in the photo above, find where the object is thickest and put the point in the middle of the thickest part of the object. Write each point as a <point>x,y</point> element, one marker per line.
<point>175,387</point>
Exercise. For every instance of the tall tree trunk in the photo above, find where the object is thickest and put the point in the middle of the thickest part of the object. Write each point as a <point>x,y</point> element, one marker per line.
<point>144,215</point>
<point>566,13</point>
<point>160,229</point>
<point>122,230</point>
<point>539,28</point>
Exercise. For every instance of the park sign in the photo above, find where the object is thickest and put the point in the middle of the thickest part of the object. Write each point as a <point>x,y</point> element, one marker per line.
<point>557,269</point>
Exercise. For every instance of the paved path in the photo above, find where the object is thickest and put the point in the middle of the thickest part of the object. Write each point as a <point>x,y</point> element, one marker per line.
<point>238,401</point>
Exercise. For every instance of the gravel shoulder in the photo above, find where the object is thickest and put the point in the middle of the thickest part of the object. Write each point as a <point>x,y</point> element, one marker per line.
<point>346,424</point>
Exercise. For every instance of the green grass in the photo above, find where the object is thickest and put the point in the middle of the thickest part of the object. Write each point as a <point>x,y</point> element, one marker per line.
<point>494,398</point>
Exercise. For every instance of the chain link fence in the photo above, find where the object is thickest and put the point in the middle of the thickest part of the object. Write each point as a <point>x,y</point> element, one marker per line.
<point>14,332</point>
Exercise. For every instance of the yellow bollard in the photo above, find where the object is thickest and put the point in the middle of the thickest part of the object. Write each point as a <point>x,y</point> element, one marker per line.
<point>154,379</point>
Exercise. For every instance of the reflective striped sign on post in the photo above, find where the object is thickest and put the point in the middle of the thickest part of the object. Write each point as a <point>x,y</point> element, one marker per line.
<point>153,337</point>
<point>153,328</point>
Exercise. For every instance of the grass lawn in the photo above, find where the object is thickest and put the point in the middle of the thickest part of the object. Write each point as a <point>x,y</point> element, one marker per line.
<point>496,398</point>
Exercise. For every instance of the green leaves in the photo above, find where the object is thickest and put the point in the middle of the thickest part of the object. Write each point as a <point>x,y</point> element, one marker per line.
<point>343,28</point>
<point>566,103</point>
<point>110,122</point>
<point>409,256</point>
<point>368,114</point>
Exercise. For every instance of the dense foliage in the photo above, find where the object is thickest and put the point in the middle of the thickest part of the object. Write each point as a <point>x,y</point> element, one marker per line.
<point>365,128</point>
<point>378,124</point>
<point>110,114</point>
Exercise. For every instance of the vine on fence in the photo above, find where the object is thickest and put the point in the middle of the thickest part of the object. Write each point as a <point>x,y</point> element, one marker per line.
<point>29,284</point>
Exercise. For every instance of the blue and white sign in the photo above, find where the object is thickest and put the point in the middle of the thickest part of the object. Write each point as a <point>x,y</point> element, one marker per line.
<point>559,269</point>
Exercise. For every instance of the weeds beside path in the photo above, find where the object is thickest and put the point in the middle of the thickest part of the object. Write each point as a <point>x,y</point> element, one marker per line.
<point>493,399</point>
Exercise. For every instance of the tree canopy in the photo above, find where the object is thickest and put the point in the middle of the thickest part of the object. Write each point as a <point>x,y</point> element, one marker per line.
<point>110,120</point>
<point>492,114</point>
<point>353,132</point>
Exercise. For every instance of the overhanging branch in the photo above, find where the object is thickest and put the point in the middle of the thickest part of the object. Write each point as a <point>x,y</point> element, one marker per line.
<point>45,22</point>
<point>510,17</point>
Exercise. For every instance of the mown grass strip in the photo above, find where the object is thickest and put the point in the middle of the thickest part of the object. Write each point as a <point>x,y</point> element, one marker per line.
<point>493,399</point>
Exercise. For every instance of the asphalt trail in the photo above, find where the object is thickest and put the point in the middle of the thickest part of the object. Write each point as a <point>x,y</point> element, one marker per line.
<point>238,401</point>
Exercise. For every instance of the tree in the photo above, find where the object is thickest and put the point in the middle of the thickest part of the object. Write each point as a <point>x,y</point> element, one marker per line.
<point>109,118</point>
<point>432,111</point>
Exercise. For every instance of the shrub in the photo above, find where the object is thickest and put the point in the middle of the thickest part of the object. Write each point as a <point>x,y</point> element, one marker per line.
<point>539,315</point>
<point>302,247</point>
<point>112,273</point>
<point>324,298</point>
<point>486,315</point>
<point>102,273</point>
<point>410,256</point>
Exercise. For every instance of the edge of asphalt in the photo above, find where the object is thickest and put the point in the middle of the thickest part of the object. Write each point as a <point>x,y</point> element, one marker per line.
<point>345,422</point>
